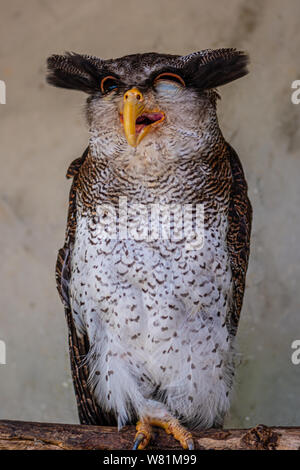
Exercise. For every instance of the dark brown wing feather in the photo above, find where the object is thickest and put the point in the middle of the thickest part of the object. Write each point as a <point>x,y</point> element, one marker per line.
<point>238,237</point>
<point>88,410</point>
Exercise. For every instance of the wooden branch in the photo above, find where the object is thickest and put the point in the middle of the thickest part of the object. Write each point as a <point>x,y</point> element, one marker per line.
<point>22,435</point>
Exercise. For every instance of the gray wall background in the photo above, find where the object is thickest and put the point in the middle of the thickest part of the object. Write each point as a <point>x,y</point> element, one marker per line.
<point>42,130</point>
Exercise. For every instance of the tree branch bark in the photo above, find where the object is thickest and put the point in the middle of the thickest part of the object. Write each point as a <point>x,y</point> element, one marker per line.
<point>22,435</point>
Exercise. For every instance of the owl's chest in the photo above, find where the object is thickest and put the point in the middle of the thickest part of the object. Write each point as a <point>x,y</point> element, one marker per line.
<point>148,287</point>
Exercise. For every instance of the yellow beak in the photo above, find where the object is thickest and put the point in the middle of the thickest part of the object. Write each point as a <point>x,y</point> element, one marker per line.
<point>133,108</point>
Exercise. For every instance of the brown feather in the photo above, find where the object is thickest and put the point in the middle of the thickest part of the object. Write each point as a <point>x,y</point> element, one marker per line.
<point>89,412</point>
<point>238,237</point>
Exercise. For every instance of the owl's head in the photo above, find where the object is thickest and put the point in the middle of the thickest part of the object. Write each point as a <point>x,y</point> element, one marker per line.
<point>145,100</point>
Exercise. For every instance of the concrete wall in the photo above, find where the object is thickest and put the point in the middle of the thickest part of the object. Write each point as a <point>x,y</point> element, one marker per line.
<point>42,130</point>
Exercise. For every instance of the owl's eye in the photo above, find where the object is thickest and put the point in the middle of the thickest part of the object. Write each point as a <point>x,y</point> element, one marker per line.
<point>109,84</point>
<point>171,77</point>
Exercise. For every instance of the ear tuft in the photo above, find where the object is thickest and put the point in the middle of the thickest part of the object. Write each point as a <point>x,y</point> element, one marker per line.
<point>75,72</point>
<point>213,68</point>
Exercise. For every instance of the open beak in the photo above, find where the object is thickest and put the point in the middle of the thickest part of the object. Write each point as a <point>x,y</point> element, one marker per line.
<point>138,121</point>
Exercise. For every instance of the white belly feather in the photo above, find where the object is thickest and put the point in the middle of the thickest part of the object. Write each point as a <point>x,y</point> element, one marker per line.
<point>155,317</point>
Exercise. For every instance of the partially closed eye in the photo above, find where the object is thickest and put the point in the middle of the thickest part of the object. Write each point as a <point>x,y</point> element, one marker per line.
<point>168,82</point>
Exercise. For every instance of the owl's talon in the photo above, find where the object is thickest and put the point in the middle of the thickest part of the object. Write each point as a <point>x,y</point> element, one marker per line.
<point>143,435</point>
<point>173,427</point>
<point>190,444</point>
<point>138,440</point>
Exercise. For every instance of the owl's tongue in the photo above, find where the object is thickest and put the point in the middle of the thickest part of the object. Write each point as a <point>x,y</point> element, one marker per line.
<point>146,119</point>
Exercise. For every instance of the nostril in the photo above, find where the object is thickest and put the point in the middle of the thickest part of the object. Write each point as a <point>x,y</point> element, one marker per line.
<point>133,94</point>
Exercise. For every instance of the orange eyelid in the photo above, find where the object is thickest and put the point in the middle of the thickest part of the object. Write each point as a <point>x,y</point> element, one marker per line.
<point>104,80</point>
<point>169,74</point>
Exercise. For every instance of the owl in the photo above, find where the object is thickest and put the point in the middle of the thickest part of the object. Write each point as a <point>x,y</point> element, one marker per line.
<point>152,271</point>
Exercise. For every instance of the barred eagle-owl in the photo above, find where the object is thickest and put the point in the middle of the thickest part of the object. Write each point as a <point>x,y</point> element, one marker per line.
<point>151,319</point>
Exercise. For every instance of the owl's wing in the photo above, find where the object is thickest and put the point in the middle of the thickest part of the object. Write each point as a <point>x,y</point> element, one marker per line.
<point>88,410</point>
<point>238,236</point>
